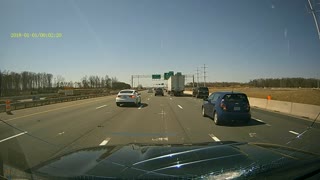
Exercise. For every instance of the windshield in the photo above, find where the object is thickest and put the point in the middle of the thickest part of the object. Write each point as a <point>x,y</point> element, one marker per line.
<point>203,73</point>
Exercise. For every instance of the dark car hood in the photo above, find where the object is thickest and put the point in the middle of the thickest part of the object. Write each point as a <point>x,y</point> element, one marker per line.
<point>213,160</point>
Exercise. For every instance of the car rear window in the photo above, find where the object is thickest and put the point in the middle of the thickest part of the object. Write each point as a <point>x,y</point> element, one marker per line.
<point>235,97</point>
<point>203,89</point>
<point>123,92</point>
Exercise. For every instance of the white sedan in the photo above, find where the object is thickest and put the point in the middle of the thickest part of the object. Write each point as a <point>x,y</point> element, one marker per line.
<point>128,96</point>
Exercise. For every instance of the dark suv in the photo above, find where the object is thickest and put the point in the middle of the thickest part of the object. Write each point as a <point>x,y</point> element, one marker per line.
<point>200,92</point>
<point>158,91</point>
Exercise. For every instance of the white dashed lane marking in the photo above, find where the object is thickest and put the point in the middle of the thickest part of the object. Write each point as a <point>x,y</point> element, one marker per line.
<point>293,132</point>
<point>214,137</point>
<point>180,107</point>
<point>104,142</point>
<point>101,106</point>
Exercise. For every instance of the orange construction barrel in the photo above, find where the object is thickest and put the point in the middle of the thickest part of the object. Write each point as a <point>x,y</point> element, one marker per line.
<point>8,107</point>
<point>269,97</point>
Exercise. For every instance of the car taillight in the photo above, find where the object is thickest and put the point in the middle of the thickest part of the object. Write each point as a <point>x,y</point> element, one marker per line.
<point>223,106</point>
<point>132,96</point>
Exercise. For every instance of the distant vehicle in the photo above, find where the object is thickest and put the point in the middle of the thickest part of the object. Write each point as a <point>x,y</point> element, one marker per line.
<point>225,107</point>
<point>200,92</point>
<point>128,96</point>
<point>150,91</point>
<point>176,85</point>
<point>159,91</point>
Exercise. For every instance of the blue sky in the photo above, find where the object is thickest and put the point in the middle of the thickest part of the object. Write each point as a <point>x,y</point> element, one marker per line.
<point>238,40</point>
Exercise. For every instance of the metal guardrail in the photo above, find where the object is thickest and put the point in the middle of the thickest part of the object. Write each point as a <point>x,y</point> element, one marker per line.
<point>36,103</point>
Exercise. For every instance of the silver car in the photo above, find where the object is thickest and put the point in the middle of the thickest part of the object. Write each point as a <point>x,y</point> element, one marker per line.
<point>128,96</point>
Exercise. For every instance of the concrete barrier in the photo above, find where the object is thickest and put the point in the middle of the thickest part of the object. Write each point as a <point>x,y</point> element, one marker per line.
<point>296,109</point>
<point>257,102</point>
<point>305,110</point>
<point>280,106</point>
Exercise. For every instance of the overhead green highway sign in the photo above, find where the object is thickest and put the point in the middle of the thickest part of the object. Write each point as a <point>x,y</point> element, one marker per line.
<point>156,76</point>
<point>167,75</point>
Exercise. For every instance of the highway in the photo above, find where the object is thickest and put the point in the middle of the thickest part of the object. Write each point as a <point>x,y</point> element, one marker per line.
<point>31,136</point>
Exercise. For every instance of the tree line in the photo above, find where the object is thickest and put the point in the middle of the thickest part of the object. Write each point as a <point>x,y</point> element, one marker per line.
<point>266,82</point>
<point>13,83</point>
<point>285,82</point>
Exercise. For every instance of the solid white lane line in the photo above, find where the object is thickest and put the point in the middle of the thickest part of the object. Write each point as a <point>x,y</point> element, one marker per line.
<point>293,132</point>
<point>101,106</point>
<point>180,106</point>
<point>214,137</point>
<point>13,136</point>
<point>104,142</point>
<point>258,120</point>
<point>46,111</point>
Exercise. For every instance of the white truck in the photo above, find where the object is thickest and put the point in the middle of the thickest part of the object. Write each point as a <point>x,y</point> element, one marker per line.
<point>176,84</point>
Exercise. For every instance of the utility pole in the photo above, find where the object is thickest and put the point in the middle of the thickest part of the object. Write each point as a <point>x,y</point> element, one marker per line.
<point>197,77</point>
<point>193,80</point>
<point>204,74</point>
<point>131,81</point>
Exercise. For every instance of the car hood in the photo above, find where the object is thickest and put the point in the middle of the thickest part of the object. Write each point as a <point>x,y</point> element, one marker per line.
<point>213,160</point>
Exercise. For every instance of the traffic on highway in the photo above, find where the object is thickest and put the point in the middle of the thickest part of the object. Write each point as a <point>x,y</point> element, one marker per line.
<point>140,89</point>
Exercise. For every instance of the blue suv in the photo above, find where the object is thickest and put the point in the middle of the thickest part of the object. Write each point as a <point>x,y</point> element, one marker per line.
<point>225,107</point>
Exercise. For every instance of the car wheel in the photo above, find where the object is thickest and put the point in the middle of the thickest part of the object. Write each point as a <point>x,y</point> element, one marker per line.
<point>203,112</point>
<point>215,118</point>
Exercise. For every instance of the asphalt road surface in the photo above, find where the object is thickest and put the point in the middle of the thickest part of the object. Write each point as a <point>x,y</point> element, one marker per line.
<point>31,136</point>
